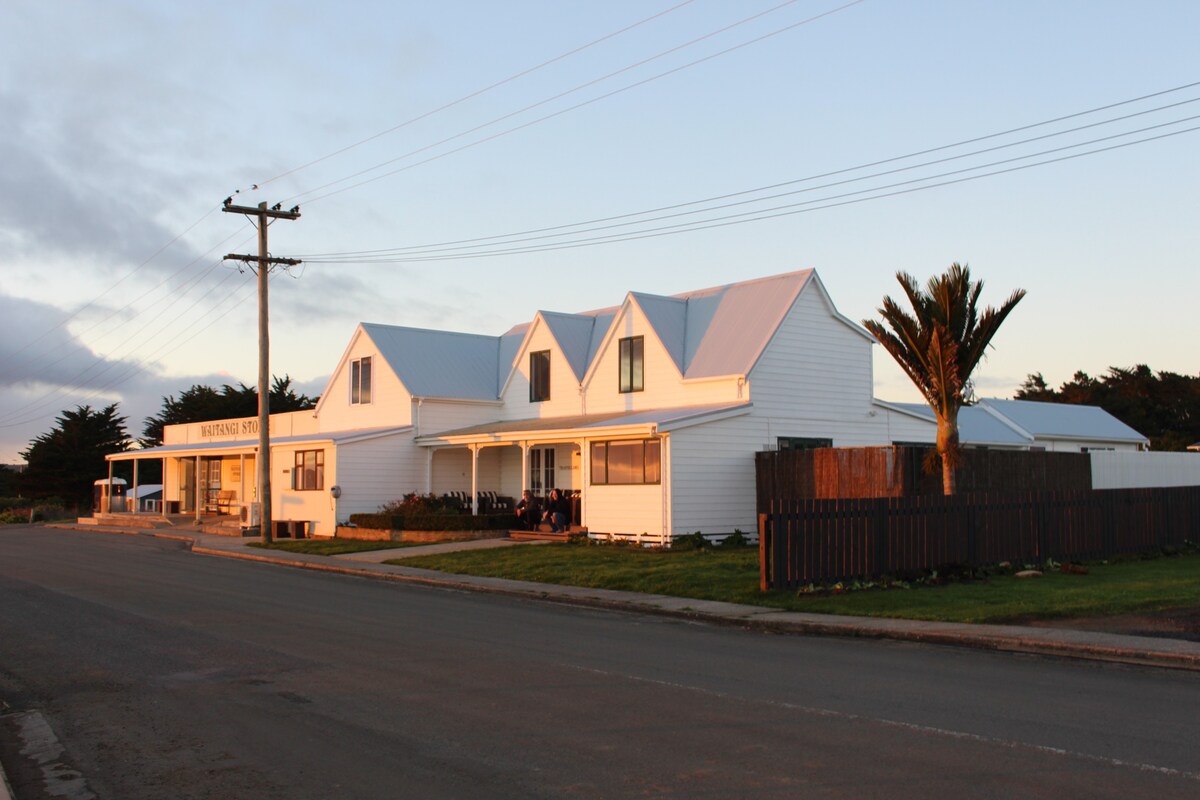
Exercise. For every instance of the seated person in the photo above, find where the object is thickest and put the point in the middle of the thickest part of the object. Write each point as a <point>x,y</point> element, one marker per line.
<point>558,511</point>
<point>528,511</point>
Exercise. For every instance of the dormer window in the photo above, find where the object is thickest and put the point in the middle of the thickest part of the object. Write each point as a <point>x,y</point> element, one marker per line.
<point>360,381</point>
<point>629,378</point>
<point>539,376</point>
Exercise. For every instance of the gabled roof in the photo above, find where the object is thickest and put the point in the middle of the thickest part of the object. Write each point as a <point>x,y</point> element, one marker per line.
<point>975,426</point>
<point>440,363</point>
<point>993,421</point>
<point>1063,420</point>
<point>708,333</point>
<point>573,332</point>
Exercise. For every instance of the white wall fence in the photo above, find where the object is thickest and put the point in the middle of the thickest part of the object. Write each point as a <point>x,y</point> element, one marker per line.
<point>1127,470</point>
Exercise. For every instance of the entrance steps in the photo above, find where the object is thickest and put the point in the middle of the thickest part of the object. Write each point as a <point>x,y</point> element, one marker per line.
<point>147,521</point>
<point>545,534</point>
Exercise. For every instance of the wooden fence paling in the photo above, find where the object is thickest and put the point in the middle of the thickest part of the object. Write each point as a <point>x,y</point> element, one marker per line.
<point>815,540</point>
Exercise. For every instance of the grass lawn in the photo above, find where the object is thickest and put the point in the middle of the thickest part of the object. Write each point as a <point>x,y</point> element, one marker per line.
<point>732,576</point>
<point>328,547</point>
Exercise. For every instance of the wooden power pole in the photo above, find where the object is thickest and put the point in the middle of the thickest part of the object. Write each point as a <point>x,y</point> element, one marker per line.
<point>265,262</point>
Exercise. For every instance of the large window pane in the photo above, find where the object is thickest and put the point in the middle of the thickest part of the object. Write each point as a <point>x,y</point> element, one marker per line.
<point>599,462</point>
<point>539,376</point>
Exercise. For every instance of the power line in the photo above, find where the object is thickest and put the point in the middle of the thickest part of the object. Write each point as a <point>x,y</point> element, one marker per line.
<point>478,92</point>
<point>764,214</point>
<point>832,173</point>
<point>577,106</point>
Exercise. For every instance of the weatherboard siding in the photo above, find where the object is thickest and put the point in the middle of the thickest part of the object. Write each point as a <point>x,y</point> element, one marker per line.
<point>712,476</point>
<point>564,385</point>
<point>628,510</point>
<point>435,416</point>
<point>376,471</point>
<point>815,366</point>
<point>389,406</point>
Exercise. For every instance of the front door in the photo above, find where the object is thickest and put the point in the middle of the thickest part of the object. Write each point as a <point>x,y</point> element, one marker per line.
<point>541,470</point>
<point>187,485</point>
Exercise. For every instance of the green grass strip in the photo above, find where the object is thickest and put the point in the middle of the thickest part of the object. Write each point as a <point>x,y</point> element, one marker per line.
<point>732,576</point>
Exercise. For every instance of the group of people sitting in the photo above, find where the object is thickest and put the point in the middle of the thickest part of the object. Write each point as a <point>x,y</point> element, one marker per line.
<point>555,512</point>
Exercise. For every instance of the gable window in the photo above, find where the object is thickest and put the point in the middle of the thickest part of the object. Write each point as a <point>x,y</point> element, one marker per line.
<point>309,472</point>
<point>626,462</point>
<point>360,381</point>
<point>539,376</point>
<point>629,378</point>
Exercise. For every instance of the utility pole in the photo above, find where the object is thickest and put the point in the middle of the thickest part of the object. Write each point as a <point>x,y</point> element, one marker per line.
<point>264,349</point>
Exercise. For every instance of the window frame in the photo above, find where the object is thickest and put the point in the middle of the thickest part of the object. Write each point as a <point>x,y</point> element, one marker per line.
<point>802,442</point>
<point>603,476</point>
<point>359,397</point>
<point>631,364</point>
<point>300,472</point>
<point>539,377</point>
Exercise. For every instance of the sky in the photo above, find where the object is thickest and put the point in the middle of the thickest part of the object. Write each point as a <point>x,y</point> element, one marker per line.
<point>481,161</point>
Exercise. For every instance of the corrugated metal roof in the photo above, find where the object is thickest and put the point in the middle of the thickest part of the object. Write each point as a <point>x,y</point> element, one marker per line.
<point>708,333</point>
<point>668,316</point>
<point>975,426</point>
<point>440,363</point>
<point>1064,420</point>
<point>573,332</point>
<point>729,326</point>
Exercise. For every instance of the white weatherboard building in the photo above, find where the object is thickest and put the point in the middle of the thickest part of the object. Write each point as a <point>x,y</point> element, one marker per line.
<point>651,410</point>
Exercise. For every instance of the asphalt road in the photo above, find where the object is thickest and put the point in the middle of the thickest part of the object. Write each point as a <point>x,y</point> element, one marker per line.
<point>160,673</point>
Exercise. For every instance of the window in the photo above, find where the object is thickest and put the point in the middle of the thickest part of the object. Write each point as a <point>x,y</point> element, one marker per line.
<point>309,473</point>
<point>360,381</point>
<point>539,376</point>
<point>802,443</point>
<point>630,377</point>
<point>625,462</point>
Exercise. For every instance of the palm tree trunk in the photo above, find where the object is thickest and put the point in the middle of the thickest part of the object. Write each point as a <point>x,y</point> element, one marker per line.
<point>947,448</point>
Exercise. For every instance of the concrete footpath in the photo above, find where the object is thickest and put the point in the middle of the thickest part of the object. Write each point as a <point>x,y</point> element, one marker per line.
<point>1144,650</point>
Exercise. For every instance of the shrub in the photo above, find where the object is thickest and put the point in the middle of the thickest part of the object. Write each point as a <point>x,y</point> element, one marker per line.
<point>734,540</point>
<point>413,503</point>
<point>690,541</point>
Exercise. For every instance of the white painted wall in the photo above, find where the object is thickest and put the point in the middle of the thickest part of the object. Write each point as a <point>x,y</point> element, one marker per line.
<point>389,404</point>
<point>308,506</point>
<point>1134,470</point>
<point>434,416</point>
<point>564,386</point>
<point>624,509</point>
<point>376,471</point>
<point>712,476</point>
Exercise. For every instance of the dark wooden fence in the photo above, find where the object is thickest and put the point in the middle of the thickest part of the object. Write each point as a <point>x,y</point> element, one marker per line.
<point>899,472</point>
<point>803,541</point>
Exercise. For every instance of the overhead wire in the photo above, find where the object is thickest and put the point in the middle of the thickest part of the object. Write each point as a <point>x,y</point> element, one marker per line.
<point>425,115</point>
<point>769,213</point>
<point>479,92</point>
<point>301,197</point>
<point>818,176</point>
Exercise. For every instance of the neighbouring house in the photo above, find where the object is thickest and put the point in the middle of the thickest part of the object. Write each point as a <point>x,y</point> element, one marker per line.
<point>1029,425</point>
<point>650,411</point>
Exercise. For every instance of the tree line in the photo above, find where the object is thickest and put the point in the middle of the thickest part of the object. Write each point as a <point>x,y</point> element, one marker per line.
<point>65,461</point>
<point>1164,406</point>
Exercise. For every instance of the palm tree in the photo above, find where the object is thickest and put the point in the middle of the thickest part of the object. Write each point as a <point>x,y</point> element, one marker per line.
<point>939,345</point>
